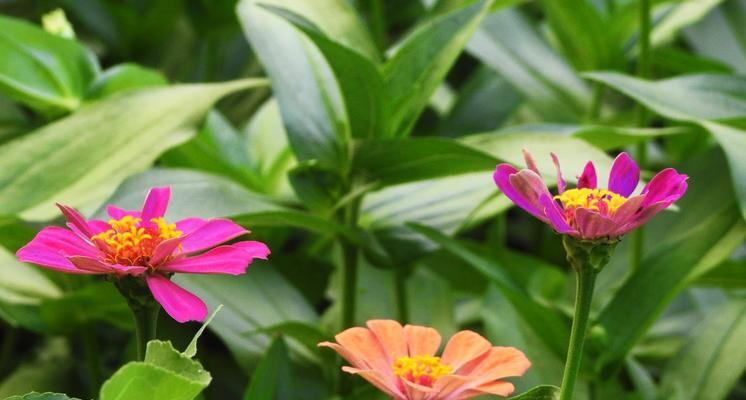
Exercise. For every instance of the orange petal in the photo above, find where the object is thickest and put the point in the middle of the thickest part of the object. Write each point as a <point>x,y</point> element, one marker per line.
<point>417,392</point>
<point>421,341</point>
<point>500,362</point>
<point>391,336</point>
<point>365,346</point>
<point>383,383</point>
<point>463,347</point>
<point>499,388</point>
<point>345,353</point>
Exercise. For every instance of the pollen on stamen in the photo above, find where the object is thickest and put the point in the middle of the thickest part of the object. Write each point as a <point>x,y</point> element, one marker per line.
<point>422,370</point>
<point>130,242</point>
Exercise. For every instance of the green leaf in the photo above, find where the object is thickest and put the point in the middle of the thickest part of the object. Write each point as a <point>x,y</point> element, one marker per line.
<point>543,392</point>
<point>51,368</point>
<point>165,374</point>
<point>42,396</point>
<point>81,158</point>
<point>191,349</point>
<point>307,334</point>
<point>46,72</point>
<point>95,302</point>
<point>729,274</point>
<point>713,359</point>
<point>125,76</point>
<point>546,323</point>
<point>272,377</point>
<point>720,35</point>
<point>508,43</point>
<point>711,101</point>
<point>317,122</point>
<point>677,16</point>
<point>22,283</point>
<point>421,61</point>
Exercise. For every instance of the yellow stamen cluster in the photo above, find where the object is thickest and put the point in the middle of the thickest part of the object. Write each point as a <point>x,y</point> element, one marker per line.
<point>420,369</point>
<point>130,243</point>
<point>601,200</point>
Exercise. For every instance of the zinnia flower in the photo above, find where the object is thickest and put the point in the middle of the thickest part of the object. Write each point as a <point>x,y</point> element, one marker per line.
<point>588,212</point>
<point>401,362</point>
<point>143,244</point>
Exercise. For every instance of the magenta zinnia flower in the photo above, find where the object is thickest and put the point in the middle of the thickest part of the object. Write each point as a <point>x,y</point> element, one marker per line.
<point>588,212</point>
<point>143,244</point>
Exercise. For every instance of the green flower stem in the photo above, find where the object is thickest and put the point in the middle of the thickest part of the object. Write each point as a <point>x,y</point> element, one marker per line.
<point>400,286</point>
<point>146,320</point>
<point>587,259</point>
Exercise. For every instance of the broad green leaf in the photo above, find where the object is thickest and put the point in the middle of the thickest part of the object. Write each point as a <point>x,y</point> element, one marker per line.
<point>13,121</point>
<point>543,392</point>
<point>421,61</point>
<point>260,298</point>
<point>317,122</point>
<point>307,334</point>
<point>711,101</point>
<point>508,43</point>
<point>80,159</point>
<point>729,274</point>
<point>720,35</point>
<point>124,77</point>
<point>272,378</point>
<point>165,374</point>
<point>678,16</point>
<point>99,301</point>
<point>44,71</point>
<point>41,396</point>
<point>713,359</point>
<point>23,283</point>
<point>546,323</point>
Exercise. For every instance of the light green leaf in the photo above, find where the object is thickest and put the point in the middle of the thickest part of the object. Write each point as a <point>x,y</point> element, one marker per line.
<point>41,396</point>
<point>543,392</point>
<point>720,35</point>
<point>44,71</point>
<point>421,61</point>
<point>272,378</point>
<point>22,283</point>
<point>678,16</point>
<point>124,77</point>
<point>80,159</point>
<point>713,359</point>
<point>508,43</point>
<point>191,349</point>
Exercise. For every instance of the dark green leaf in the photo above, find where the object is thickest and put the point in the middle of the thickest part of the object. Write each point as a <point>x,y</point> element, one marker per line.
<point>272,377</point>
<point>124,77</point>
<point>729,274</point>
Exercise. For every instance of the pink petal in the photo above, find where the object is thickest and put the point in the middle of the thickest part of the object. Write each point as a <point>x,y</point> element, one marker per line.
<point>51,247</point>
<point>667,185</point>
<point>231,259</point>
<point>97,266</point>
<point>156,203</point>
<point>561,184</point>
<point>530,162</point>
<point>627,211</point>
<point>209,234</point>
<point>189,225</point>
<point>523,192</point>
<point>118,213</point>
<point>588,178</point>
<point>554,214</point>
<point>47,258</point>
<point>624,175</point>
<point>178,303</point>
<point>593,225</point>
<point>77,220</point>
<point>165,249</point>
<point>642,216</point>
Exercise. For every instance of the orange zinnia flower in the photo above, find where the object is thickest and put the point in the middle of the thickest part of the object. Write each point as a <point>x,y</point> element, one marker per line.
<point>401,362</point>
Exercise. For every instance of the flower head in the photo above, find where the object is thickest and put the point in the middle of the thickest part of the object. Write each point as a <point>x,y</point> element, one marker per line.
<point>588,212</point>
<point>401,362</point>
<point>143,244</point>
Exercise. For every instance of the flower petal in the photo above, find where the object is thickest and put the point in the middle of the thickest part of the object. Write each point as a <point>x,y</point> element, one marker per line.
<point>627,211</point>
<point>97,266</point>
<point>367,349</point>
<point>178,303</point>
<point>498,363</point>
<point>118,213</point>
<point>384,384</point>
<point>74,218</point>
<point>642,216</point>
<point>624,175</point>
<point>593,225</point>
<point>667,185</point>
<point>498,388</point>
<point>421,340</point>
<point>552,211</point>
<point>588,178</point>
<point>232,259</point>
<point>208,234</point>
<point>156,203</point>
<point>530,162</point>
<point>51,247</point>
<point>561,184</point>
<point>164,250</point>
<point>521,187</point>
<point>463,347</point>
<point>391,336</point>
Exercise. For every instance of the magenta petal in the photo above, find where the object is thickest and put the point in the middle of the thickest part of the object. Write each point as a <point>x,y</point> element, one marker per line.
<point>624,175</point>
<point>118,213</point>
<point>554,214</point>
<point>156,203</point>
<point>530,162</point>
<point>504,175</point>
<point>165,249</point>
<point>588,178</point>
<point>643,216</point>
<point>189,225</point>
<point>561,184</point>
<point>593,225</point>
<point>97,266</point>
<point>667,185</point>
<point>178,303</point>
<point>47,258</point>
<point>213,232</point>
<point>232,259</point>
<point>77,220</point>
<point>627,211</point>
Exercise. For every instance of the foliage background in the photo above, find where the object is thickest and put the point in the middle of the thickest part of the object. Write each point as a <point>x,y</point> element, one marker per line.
<point>376,137</point>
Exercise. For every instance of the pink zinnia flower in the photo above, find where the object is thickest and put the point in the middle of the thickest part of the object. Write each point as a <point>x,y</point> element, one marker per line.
<point>401,362</point>
<point>143,244</point>
<point>588,212</point>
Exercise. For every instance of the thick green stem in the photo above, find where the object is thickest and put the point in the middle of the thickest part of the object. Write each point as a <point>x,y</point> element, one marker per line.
<point>146,320</point>
<point>587,258</point>
<point>583,297</point>
<point>400,285</point>
<point>378,22</point>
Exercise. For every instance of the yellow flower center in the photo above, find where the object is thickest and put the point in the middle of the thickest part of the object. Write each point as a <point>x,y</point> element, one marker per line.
<point>129,242</point>
<point>423,370</point>
<point>602,200</point>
